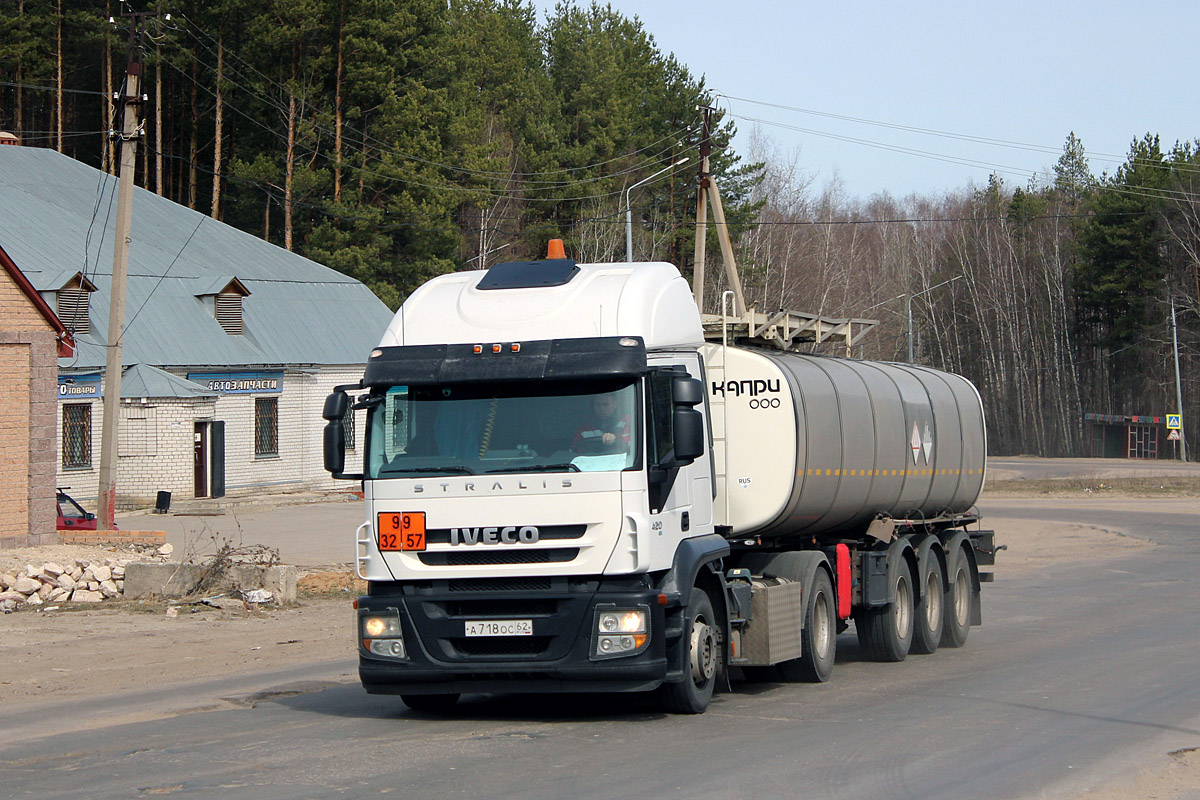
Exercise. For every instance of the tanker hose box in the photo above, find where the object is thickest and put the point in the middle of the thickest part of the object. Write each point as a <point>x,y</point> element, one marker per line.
<point>773,635</point>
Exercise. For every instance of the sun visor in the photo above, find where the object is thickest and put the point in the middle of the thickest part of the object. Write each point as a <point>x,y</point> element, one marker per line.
<point>551,359</point>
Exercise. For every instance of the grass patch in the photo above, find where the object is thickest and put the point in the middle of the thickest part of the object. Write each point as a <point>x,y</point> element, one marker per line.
<point>1162,486</point>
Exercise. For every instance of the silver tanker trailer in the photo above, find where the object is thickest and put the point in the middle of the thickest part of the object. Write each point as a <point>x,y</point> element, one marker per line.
<point>569,486</point>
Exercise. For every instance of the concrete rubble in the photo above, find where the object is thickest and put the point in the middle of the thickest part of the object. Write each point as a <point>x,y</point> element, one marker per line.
<point>150,573</point>
<point>83,581</point>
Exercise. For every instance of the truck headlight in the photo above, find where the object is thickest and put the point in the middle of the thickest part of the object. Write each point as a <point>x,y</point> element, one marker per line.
<point>382,635</point>
<point>620,631</point>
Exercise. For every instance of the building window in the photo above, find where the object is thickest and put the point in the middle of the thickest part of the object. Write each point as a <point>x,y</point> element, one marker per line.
<point>348,427</point>
<point>266,426</point>
<point>77,436</point>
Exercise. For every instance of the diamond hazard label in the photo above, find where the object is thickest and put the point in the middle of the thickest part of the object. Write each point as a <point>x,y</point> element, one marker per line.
<point>916,443</point>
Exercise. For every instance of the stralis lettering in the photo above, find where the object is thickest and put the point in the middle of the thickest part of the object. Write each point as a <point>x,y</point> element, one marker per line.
<point>739,388</point>
<point>526,534</point>
<point>497,486</point>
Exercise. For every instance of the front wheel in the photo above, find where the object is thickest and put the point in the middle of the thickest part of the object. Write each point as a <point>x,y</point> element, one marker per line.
<point>702,659</point>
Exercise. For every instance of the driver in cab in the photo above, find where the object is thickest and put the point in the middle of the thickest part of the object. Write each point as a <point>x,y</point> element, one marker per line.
<point>606,432</point>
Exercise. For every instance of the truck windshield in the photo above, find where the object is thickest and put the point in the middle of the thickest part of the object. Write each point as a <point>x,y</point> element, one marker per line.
<point>484,429</point>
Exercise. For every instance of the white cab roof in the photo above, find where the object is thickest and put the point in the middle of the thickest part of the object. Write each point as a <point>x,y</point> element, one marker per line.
<point>650,300</point>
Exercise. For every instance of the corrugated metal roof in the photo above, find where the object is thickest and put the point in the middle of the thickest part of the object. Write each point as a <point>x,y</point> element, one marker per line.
<point>57,217</point>
<point>143,380</point>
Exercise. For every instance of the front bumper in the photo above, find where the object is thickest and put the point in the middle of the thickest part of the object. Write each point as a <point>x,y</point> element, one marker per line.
<point>556,658</point>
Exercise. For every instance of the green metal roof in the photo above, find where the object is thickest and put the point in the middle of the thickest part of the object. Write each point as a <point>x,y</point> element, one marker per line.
<point>143,380</point>
<point>57,217</point>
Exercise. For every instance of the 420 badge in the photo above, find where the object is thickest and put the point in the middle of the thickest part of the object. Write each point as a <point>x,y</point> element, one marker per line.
<point>401,530</point>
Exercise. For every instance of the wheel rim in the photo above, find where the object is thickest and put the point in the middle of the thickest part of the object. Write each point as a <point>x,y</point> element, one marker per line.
<point>962,597</point>
<point>933,600</point>
<point>902,613</point>
<point>704,651</point>
<point>822,634</point>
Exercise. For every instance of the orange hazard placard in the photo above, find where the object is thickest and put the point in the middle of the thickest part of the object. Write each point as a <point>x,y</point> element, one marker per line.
<point>401,530</point>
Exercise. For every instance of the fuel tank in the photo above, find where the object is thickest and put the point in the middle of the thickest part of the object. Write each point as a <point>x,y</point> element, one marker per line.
<point>817,446</point>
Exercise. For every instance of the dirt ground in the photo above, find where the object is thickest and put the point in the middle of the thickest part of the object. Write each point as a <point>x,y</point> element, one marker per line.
<point>76,652</point>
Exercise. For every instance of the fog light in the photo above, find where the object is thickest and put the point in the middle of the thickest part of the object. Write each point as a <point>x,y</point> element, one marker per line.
<point>388,648</point>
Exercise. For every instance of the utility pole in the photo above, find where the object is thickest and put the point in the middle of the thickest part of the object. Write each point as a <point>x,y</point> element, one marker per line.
<point>131,131</point>
<point>1178,383</point>
<point>709,193</point>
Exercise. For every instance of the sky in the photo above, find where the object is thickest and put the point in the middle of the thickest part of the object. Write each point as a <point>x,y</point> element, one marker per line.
<point>1024,74</point>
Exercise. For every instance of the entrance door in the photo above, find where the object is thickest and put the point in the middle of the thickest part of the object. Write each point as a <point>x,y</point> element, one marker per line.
<point>201,457</point>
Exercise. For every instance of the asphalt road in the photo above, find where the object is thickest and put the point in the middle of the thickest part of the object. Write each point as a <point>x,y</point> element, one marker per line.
<point>1081,671</point>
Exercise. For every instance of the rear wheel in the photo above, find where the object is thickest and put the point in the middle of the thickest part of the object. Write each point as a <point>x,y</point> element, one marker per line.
<point>928,617</point>
<point>958,602</point>
<point>819,637</point>
<point>886,633</point>
<point>431,703</point>
<point>702,658</point>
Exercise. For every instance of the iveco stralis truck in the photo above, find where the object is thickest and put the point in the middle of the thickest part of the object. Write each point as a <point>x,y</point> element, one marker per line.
<point>568,489</point>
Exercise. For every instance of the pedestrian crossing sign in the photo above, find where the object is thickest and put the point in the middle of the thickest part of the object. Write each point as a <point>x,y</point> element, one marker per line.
<point>1174,422</point>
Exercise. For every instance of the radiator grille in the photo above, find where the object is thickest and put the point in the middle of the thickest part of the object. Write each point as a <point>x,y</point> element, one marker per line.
<point>508,556</point>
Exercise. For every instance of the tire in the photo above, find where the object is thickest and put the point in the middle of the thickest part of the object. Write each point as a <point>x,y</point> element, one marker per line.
<point>703,654</point>
<point>430,703</point>
<point>929,616</point>
<point>819,636</point>
<point>886,633</point>
<point>959,597</point>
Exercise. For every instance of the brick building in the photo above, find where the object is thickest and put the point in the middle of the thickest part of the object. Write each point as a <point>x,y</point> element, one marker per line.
<point>231,344</point>
<point>30,338</point>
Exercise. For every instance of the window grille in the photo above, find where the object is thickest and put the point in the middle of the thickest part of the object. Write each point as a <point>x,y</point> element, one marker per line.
<point>266,426</point>
<point>348,427</point>
<point>77,436</point>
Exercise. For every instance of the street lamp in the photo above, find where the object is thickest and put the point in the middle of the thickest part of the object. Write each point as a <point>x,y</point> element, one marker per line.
<point>910,317</point>
<point>629,213</point>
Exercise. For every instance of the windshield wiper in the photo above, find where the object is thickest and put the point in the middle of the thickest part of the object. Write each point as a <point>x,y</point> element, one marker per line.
<point>567,467</point>
<point>455,469</point>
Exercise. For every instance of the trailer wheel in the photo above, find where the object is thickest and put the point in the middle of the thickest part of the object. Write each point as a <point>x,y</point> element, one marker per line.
<point>819,637</point>
<point>430,703</point>
<point>929,614</point>
<point>702,659</point>
<point>886,633</point>
<point>958,602</point>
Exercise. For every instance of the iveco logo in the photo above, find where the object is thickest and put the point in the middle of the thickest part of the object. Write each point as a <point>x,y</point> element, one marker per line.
<point>526,534</point>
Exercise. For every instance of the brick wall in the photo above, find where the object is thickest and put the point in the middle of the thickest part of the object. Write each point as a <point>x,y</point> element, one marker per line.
<point>28,369</point>
<point>156,442</point>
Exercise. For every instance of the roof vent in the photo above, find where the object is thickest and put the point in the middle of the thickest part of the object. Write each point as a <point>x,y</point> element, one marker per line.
<point>226,297</point>
<point>71,303</point>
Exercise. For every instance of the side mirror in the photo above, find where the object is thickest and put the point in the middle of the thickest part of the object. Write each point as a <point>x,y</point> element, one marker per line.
<point>687,392</point>
<point>335,444</point>
<point>689,434</point>
<point>335,406</point>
